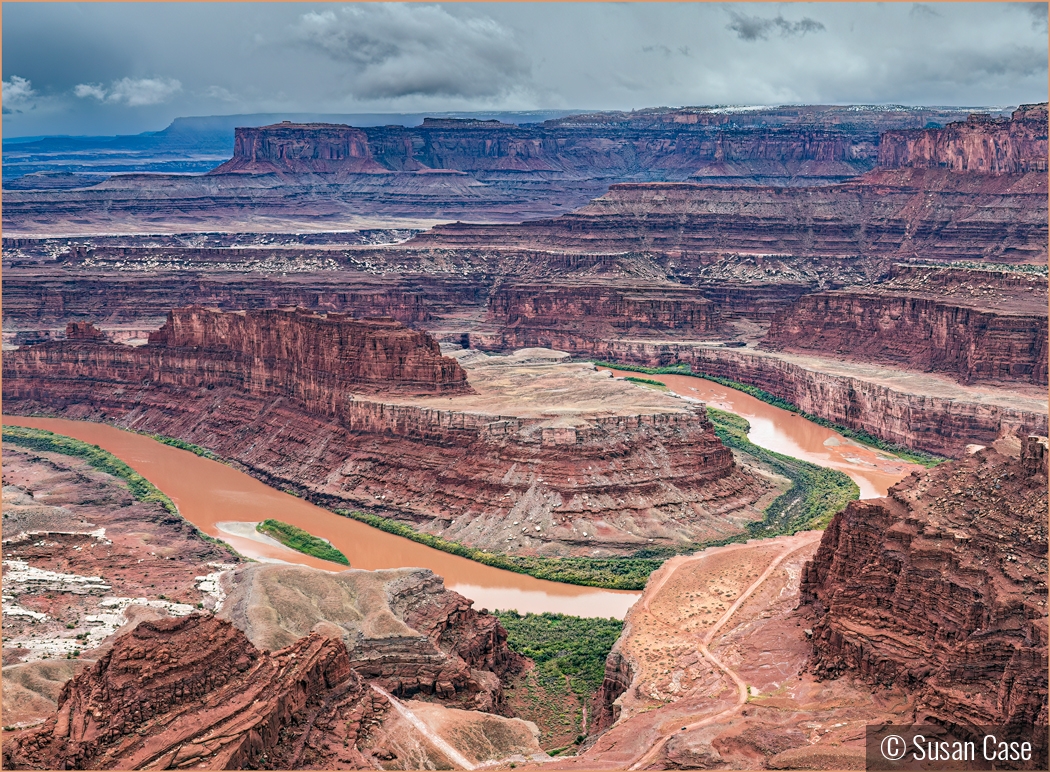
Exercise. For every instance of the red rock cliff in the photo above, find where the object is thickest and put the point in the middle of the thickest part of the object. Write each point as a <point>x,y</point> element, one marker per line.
<point>317,360</point>
<point>194,692</point>
<point>980,144</point>
<point>941,589</point>
<point>317,148</point>
<point>299,352</point>
<point>972,325</point>
<point>553,314</point>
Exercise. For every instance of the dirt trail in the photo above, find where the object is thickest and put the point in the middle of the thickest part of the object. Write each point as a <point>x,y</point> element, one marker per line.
<point>705,642</point>
<point>433,737</point>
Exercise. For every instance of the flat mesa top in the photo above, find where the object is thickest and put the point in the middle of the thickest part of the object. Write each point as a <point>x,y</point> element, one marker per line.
<point>539,383</point>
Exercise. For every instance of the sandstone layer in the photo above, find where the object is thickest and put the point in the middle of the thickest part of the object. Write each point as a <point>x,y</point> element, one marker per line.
<point>980,144</point>
<point>940,589</point>
<point>542,457</point>
<point>194,692</point>
<point>975,325</point>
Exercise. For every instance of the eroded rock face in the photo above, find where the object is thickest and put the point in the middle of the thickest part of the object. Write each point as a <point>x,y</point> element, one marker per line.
<point>940,588</point>
<point>296,148</point>
<point>675,143</point>
<point>289,348</point>
<point>403,630</point>
<point>195,692</point>
<point>310,357</point>
<point>973,325</point>
<point>618,678</point>
<point>550,314</point>
<point>980,144</point>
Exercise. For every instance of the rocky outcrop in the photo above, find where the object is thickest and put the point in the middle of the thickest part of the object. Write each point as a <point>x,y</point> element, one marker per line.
<point>981,144</point>
<point>288,348</point>
<point>549,314</point>
<point>940,588</point>
<point>83,331</point>
<point>294,149</point>
<point>618,678</point>
<point>403,630</point>
<point>314,358</point>
<point>973,325</point>
<point>195,692</point>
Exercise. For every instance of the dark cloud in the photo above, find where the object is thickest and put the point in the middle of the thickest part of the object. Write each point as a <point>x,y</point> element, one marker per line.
<point>1038,12</point>
<point>753,28</point>
<point>395,50</point>
<point>138,65</point>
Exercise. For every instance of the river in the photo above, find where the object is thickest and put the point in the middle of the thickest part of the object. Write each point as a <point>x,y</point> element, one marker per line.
<point>220,500</point>
<point>774,428</point>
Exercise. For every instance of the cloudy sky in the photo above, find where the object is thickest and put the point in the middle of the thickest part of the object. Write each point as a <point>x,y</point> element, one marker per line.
<point>103,68</point>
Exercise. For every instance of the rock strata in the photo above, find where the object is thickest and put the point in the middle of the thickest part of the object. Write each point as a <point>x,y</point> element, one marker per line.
<point>940,589</point>
<point>193,692</point>
<point>888,214</point>
<point>973,325</point>
<point>572,312</point>
<point>517,465</point>
<point>981,144</point>
<point>314,358</point>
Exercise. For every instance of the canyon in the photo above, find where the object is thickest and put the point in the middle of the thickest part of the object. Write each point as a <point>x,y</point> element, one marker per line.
<point>329,176</point>
<point>312,312</point>
<point>531,455</point>
<point>778,653</point>
<point>936,269</point>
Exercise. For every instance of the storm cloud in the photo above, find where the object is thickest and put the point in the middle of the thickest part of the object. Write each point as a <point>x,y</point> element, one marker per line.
<point>394,50</point>
<point>109,68</point>
<point>760,28</point>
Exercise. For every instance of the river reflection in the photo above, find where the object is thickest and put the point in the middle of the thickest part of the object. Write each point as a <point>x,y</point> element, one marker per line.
<point>209,493</point>
<point>785,432</point>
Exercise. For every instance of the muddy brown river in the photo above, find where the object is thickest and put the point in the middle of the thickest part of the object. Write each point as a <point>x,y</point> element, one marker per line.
<point>226,503</point>
<point>785,432</point>
<point>210,494</point>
